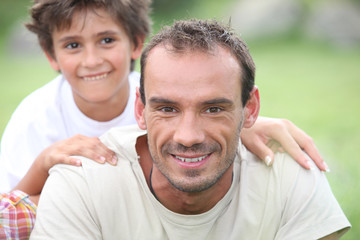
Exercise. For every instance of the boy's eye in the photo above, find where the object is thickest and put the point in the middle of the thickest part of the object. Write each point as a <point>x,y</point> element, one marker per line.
<point>213,110</point>
<point>72,45</point>
<point>107,40</point>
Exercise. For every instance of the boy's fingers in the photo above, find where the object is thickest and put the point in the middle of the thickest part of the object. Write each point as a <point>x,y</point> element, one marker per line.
<point>307,144</point>
<point>289,144</point>
<point>263,152</point>
<point>73,161</point>
<point>98,152</point>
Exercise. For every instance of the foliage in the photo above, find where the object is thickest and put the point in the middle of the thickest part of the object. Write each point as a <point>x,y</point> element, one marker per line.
<point>11,11</point>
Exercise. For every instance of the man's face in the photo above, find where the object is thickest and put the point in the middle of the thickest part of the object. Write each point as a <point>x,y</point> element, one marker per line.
<point>193,115</point>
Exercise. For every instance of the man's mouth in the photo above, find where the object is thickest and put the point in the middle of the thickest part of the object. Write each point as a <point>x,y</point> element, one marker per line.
<point>94,78</point>
<point>191,160</point>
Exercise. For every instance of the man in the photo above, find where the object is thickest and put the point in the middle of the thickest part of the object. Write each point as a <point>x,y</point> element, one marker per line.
<point>188,176</point>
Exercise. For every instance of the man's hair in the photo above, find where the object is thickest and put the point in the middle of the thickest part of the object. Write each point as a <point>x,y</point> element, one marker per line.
<point>203,35</point>
<point>50,15</point>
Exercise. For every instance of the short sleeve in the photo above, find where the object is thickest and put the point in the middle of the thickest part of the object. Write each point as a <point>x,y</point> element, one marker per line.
<point>311,210</point>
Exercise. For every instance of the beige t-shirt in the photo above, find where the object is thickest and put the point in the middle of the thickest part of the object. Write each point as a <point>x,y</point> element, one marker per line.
<point>105,202</point>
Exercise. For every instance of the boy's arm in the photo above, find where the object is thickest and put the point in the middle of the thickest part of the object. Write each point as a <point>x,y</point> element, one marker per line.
<point>62,152</point>
<point>269,135</point>
<point>265,131</point>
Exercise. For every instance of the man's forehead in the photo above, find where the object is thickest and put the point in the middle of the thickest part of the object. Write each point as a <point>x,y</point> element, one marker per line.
<point>220,53</point>
<point>167,48</point>
<point>205,76</point>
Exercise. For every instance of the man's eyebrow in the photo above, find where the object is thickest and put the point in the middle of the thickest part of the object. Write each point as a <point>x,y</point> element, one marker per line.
<point>218,101</point>
<point>156,100</point>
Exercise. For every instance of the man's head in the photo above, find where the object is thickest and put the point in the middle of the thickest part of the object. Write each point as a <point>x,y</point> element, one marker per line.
<point>50,15</point>
<point>191,102</point>
<point>203,36</point>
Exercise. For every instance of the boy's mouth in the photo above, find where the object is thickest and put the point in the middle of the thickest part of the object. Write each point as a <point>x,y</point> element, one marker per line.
<point>94,78</point>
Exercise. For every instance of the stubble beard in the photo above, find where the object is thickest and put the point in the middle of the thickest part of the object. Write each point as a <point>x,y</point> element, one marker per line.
<point>204,183</point>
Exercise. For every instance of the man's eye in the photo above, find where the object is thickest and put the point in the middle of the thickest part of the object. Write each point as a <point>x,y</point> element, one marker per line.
<point>213,110</point>
<point>167,109</point>
<point>72,45</point>
<point>107,40</point>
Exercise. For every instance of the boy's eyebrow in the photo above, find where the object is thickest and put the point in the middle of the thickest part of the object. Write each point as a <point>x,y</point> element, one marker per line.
<point>73,37</point>
<point>67,39</point>
<point>108,32</point>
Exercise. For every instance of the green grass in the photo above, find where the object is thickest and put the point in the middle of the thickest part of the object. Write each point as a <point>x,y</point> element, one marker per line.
<point>312,84</point>
<point>18,79</point>
<point>317,87</point>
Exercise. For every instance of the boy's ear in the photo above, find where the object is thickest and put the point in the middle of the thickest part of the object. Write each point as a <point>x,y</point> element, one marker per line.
<point>136,53</point>
<point>53,63</point>
<point>252,108</point>
<point>140,111</point>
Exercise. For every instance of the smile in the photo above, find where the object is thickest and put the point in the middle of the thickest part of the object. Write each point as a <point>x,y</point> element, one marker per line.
<point>191,160</point>
<point>94,78</point>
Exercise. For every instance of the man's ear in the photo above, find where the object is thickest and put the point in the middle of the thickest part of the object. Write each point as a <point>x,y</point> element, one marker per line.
<point>136,53</point>
<point>140,111</point>
<point>252,108</point>
<point>53,62</point>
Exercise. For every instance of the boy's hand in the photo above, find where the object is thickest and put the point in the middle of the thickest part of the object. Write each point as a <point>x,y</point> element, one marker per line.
<point>269,135</point>
<point>62,152</point>
<point>89,147</point>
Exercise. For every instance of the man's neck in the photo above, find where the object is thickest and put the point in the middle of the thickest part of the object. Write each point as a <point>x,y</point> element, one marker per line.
<point>190,203</point>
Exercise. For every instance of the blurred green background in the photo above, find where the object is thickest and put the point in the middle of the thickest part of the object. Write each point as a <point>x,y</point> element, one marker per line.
<point>312,80</point>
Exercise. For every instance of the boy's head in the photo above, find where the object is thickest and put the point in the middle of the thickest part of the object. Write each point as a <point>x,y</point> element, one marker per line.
<point>50,15</point>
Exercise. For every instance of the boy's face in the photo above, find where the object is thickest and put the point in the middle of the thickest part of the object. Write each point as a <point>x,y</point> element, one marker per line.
<point>94,55</point>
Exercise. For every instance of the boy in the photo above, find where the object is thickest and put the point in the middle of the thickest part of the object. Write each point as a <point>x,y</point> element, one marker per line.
<point>94,45</point>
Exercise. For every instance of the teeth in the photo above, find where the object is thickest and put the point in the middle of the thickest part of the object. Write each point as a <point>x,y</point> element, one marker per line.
<point>191,160</point>
<point>98,77</point>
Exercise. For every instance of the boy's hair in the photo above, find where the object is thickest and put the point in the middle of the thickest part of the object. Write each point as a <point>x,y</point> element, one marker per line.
<point>203,35</point>
<point>49,15</point>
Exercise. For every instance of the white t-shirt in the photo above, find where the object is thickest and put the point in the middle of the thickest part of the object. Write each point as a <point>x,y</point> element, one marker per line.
<point>46,116</point>
<point>106,202</point>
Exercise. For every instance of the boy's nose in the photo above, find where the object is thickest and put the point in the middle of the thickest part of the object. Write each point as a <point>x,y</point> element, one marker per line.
<point>91,59</point>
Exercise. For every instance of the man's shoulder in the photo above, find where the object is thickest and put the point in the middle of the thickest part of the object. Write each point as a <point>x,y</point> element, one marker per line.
<point>285,173</point>
<point>91,174</point>
<point>282,161</point>
<point>122,140</point>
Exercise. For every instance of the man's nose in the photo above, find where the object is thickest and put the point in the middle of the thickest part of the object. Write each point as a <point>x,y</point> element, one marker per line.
<point>190,130</point>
